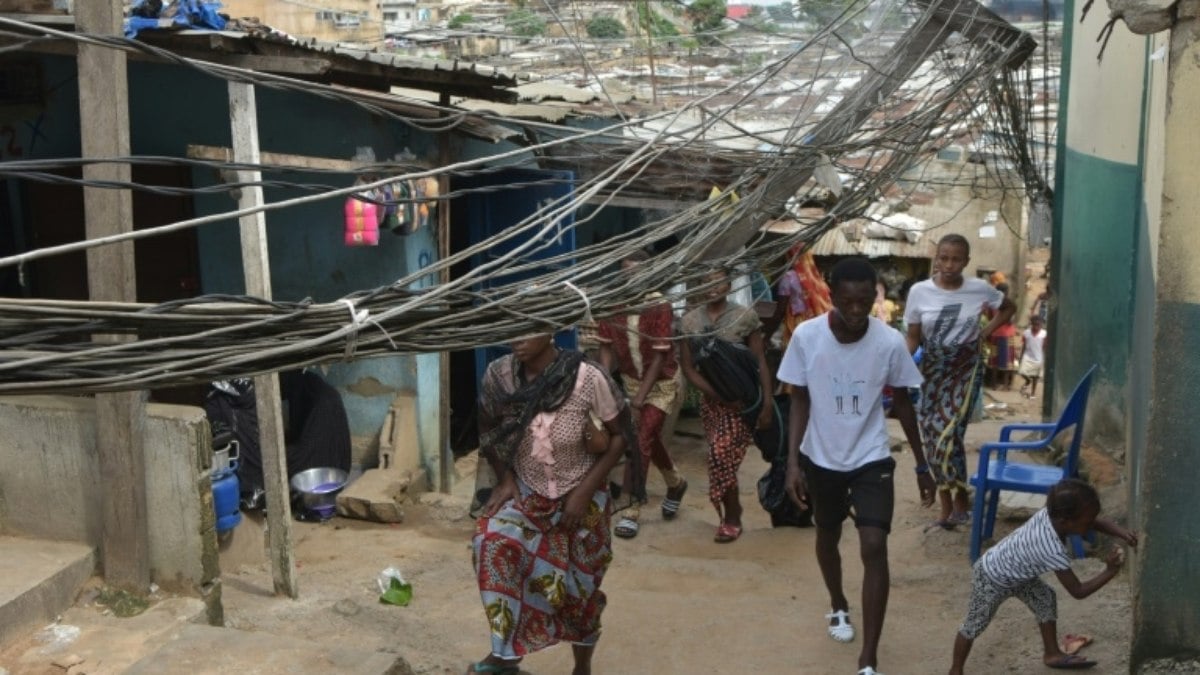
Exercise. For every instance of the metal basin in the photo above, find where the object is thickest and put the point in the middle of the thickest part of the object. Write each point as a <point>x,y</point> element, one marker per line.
<point>317,489</point>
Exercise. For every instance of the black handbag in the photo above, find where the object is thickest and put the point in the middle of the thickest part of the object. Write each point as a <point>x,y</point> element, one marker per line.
<point>729,367</point>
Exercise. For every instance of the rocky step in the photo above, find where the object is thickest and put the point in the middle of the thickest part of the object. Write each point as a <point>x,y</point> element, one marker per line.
<point>170,638</point>
<point>38,581</point>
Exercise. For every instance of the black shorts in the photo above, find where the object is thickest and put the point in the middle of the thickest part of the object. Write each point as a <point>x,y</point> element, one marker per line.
<point>868,490</point>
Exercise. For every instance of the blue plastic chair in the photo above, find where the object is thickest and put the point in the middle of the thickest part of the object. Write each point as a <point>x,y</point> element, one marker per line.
<point>994,475</point>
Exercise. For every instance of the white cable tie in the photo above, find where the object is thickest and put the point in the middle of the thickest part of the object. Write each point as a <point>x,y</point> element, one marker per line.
<point>357,318</point>
<point>383,330</point>
<point>587,304</point>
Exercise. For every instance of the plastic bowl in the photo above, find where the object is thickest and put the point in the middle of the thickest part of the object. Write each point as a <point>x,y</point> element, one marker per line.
<point>317,489</point>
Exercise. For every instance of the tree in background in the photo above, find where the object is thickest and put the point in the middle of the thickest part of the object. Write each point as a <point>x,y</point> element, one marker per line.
<point>605,27</point>
<point>657,24</point>
<point>822,12</point>
<point>782,12</point>
<point>459,20</point>
<point>707,15</point>
<point>760,20</point>
<point>525,23</point>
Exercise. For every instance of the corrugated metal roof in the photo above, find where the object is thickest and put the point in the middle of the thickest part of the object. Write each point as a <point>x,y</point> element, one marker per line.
<point>345,64</point>
<point>837,243</point>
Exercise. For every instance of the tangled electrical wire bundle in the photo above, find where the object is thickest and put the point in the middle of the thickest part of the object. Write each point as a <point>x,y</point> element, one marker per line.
<point>864,137</point>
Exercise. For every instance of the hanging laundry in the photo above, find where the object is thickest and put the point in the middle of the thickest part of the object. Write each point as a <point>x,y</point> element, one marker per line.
<point>402,219</point>
<point>362,222</point>
<point>427,192</point>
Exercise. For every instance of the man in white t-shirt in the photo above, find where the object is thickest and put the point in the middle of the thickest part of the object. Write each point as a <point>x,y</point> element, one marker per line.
<point>838,364</point>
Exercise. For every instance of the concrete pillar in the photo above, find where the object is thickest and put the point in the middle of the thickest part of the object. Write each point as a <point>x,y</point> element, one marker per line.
<point>1167,584</point>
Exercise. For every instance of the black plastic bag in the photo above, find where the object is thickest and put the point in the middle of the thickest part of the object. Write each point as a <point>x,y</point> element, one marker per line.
<point>772,492</point>
<point>729,367</point>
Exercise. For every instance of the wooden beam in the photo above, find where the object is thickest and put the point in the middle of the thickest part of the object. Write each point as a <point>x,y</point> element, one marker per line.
<point>643,202</point>
<point>283,160</point>
<point>281,65</point>
<point>120,418</point>
<point>445,458</point>
<point>33,7</point>
<point>243,117</point>
<point>42,19</point>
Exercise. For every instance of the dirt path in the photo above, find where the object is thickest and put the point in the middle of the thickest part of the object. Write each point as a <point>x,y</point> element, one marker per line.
<point>678,602</point>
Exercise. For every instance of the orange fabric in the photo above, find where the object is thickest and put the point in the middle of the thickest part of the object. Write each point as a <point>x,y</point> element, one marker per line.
<point>817,298</point>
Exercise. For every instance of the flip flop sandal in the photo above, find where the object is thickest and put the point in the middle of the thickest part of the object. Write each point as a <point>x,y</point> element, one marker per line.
<point>494,668</point>
<point>727,533</point>
<point>869,671</point>
<point>1072,643</point>
<point>627,528</point>
<point>963,518</point>
<point>842,631</point>
<point>1071,662</point>
<point>673,500</point>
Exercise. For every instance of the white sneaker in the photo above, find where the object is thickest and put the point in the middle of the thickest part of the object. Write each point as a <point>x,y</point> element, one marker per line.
<point>842,631</point>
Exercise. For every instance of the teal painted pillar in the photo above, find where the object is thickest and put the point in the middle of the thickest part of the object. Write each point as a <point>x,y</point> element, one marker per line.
<point>1167,583</point>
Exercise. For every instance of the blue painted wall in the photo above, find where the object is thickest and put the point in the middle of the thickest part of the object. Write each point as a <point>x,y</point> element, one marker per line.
<point>171,107</point>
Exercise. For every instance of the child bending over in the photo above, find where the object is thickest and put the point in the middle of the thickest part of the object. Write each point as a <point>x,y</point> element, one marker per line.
<point>1012,567</point>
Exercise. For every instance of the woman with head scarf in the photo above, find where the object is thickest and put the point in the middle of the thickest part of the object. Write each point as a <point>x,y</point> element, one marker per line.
<point>544,541</point>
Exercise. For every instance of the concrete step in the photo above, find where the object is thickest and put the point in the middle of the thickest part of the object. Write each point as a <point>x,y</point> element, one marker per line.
<point>170,638</point>
<point>38,581</point>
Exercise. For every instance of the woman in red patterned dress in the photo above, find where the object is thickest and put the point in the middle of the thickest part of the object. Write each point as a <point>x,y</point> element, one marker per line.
<point>727,432</point>
<point>544,541</point>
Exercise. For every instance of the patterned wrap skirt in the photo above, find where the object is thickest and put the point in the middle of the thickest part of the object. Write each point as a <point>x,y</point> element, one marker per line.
<point>953,376</point>
<point>540,584</point>
<point>728,436</point>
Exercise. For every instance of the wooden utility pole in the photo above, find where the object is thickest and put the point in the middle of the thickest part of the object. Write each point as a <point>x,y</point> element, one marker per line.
<point>445,459</point>
<point>648,24</point>
<point>256,266</point>
<point>120,417</point>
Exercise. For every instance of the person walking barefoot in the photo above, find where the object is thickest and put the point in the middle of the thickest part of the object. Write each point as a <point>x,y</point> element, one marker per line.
<point>1011,569</point>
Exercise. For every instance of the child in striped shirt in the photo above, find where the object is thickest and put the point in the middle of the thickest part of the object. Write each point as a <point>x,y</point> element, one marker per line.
<point>1012,567</point>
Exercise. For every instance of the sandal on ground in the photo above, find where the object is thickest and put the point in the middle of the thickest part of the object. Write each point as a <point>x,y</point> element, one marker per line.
<point>1072,643</point>
<point>841,631</point>
<point>946,524</point>
<point>670,505</point>
<point>950,522</point>
<point>869,671</point>
<point>727,533</point>
<point>627,528</point>
<point>1070,662</point>
<point>494,668</point>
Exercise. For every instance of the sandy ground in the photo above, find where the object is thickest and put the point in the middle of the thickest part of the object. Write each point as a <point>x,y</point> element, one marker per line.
<point>678,602</point>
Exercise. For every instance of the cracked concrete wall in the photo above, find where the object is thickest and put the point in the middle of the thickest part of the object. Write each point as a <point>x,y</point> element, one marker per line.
<point>1166,623</point>
<point>52,488</point>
